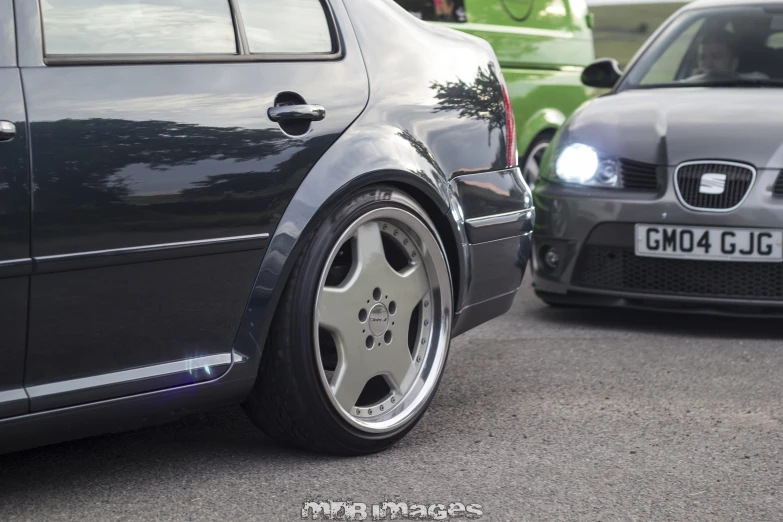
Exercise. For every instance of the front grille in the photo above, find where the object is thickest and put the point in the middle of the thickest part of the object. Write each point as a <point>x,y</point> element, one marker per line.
<point>619,269</point>
<point>636,175</point>
<point>778,190</point>
<point>689,181</point>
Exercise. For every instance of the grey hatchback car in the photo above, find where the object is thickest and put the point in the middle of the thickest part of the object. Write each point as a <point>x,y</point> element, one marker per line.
<point>667,192</point>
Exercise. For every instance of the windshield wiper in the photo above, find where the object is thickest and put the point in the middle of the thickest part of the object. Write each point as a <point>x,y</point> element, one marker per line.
<point>742,82</point>
<point>760,82</point>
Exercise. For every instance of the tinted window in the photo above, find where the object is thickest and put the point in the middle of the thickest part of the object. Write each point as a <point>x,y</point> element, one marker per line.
<point>726,46</point>
<point>665,69</point>
<point>775,41</point>
<point>291,26</point>
<point>138,26</point>
<point>436,10</point>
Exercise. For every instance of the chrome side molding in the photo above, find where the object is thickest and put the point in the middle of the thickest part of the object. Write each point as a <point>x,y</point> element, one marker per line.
<point>152,248</point>
<point>137,380</point>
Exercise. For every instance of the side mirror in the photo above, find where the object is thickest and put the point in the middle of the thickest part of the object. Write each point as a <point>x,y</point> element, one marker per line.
<point>602,74</point>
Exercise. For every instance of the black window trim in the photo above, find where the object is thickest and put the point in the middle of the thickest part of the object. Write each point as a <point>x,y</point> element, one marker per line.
<point>243,53</point>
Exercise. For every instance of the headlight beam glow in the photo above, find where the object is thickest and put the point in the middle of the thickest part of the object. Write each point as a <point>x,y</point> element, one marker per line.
<point>578,163</point>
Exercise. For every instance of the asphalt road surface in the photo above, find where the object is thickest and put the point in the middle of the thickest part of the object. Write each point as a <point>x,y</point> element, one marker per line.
<point>543,414</point>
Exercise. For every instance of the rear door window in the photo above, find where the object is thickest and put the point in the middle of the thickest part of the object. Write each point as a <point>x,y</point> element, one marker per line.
<point>101,27</point>
<point>290,26</point>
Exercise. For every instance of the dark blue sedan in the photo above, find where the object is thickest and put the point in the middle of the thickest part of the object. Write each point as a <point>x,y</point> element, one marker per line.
<point>290,205</point>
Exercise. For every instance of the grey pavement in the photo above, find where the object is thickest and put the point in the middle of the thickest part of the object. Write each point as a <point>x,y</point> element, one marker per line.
<point>542,414</point>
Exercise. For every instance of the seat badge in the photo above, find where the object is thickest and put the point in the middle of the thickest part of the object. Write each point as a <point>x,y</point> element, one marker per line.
<point>712,183</point>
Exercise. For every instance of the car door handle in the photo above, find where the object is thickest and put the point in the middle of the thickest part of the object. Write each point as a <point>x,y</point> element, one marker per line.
<point>7,131</point>
<point>297,112</point>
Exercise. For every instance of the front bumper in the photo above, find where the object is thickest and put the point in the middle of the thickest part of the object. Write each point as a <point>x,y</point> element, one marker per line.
<point>496,212</point>
<point>592,232</point>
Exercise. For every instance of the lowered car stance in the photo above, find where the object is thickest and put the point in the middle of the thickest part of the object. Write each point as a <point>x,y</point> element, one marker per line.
<point>666,192</point>
<point>292,206</point>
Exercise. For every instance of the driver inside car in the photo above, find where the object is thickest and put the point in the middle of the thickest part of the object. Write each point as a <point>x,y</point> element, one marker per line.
<point>719,59</point>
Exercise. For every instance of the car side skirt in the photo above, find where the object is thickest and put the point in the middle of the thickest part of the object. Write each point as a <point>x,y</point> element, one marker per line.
<point>125,413</point>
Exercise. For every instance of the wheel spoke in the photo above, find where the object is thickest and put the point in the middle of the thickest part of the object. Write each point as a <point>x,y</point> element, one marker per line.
<point>369,254</point>
<point>347,384</point>
<point>411,287</point>
<point>395,361</point>
<point>332,313</point>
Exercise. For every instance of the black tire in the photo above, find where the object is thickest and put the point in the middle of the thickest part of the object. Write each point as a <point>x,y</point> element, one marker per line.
<point>289,402</point>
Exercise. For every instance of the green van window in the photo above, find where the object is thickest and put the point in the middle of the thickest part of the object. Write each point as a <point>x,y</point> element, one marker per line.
<point>436,10</point>
<point>519,10</point>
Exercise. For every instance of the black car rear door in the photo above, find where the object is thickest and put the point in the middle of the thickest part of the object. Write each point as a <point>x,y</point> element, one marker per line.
<point>15,263</point>
<point>159,175</point>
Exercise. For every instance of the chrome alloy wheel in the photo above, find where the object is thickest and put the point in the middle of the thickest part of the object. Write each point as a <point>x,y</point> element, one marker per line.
<point>383,319</point>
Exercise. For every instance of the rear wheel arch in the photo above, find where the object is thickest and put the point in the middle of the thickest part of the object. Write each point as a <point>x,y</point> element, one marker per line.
<point>419,189</point>
<point>446,229</point>
<point>425,195</point>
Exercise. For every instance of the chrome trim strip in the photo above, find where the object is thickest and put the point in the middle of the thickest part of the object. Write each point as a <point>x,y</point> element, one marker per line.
<point>499,219</point>
<point>151,248</point>
<point>500,226</point>
<point>20,261</point>
<point>751,168</point>
<point>12,395</point>
<point>137,374</point>
<point>239,358</point>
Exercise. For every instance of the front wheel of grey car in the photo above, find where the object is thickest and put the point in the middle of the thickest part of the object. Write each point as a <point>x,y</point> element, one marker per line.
<point>361,336</point>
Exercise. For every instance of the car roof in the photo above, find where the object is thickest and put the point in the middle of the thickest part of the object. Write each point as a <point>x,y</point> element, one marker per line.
<point>700,4</point>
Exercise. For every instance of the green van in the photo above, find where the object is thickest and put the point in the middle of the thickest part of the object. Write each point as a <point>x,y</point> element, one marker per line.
<point>542,47</point>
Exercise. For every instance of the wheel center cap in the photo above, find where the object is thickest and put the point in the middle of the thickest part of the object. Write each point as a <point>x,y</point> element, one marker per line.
<point>378,320</point>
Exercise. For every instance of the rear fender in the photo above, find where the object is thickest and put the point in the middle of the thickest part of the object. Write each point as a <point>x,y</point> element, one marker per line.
<point>383,154</point>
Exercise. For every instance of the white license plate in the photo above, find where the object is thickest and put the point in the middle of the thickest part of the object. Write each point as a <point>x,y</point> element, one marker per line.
<point>710,243</point>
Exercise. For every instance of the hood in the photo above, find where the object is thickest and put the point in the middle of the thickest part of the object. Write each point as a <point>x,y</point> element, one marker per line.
<point>669,126</point>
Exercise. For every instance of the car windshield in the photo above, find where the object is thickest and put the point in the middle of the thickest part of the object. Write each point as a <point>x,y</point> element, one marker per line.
<point>716,47</point>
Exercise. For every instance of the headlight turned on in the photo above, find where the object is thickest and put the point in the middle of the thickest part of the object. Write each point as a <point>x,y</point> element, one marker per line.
<point>582,165</point>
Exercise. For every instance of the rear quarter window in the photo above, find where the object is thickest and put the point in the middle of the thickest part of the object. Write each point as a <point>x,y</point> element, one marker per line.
<point>101,27</point>
<point>287,26</point>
